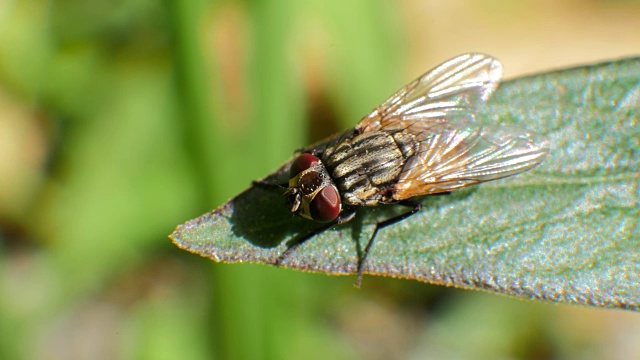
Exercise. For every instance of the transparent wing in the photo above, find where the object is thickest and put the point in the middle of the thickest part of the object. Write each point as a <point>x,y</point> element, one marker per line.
<point>450,158</point>
<point>438,109</point>
<point>453,90</point>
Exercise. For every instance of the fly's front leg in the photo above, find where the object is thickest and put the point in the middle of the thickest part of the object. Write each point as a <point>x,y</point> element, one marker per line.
<point>315,152</point>
<point>269,185</point>
<point>343,218</point>
<point>416,206</point>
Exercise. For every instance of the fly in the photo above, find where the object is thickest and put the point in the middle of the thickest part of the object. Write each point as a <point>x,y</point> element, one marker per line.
<point>421,141</point>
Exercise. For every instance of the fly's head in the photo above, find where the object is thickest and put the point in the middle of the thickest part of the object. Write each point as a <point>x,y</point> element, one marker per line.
<point>312,194</point>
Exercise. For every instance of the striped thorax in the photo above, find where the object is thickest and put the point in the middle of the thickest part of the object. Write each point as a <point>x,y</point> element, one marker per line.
<point>366,166</point>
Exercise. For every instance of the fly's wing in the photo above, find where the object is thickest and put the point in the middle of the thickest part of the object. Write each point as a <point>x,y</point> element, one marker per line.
<point>454,158</point>
<point>438,109</point>
<point>453,90</point>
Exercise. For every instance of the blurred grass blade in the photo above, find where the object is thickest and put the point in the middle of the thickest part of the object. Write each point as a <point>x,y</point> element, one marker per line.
<point>565,232</point>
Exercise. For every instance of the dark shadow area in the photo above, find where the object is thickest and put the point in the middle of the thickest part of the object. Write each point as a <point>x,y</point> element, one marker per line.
<point>262,217</point>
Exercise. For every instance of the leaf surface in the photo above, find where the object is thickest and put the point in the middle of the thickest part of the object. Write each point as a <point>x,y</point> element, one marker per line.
<point>566,231</point>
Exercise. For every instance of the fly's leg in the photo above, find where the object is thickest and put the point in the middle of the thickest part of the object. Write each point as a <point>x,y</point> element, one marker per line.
<point>416,206</point>
<point>315,152</point>
<point>269,185</point>
<point>343,218</point>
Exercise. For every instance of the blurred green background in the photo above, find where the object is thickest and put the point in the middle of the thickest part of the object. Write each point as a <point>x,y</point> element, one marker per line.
<point>121,119</point>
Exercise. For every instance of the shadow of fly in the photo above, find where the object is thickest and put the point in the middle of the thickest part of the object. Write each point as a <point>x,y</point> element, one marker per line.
<point>421,141</point>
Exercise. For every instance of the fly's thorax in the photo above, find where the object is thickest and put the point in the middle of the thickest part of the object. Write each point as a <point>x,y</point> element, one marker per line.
<point>364,166</point>
<point>312,193</point>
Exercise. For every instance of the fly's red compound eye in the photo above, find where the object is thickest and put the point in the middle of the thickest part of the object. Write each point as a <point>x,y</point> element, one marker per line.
<point>302,163</point>
<point>325,206</point>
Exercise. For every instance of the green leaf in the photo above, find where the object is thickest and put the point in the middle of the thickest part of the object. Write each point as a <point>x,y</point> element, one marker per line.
<point>566,231</point>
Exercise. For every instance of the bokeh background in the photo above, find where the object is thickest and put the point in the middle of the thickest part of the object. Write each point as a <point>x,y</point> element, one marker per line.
<point>121,119</point>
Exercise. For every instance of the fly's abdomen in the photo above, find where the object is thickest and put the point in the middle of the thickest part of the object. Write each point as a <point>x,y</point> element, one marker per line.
<point>364,165</point>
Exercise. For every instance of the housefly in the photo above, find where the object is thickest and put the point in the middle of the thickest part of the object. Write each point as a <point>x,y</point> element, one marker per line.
<point>421,141</point>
